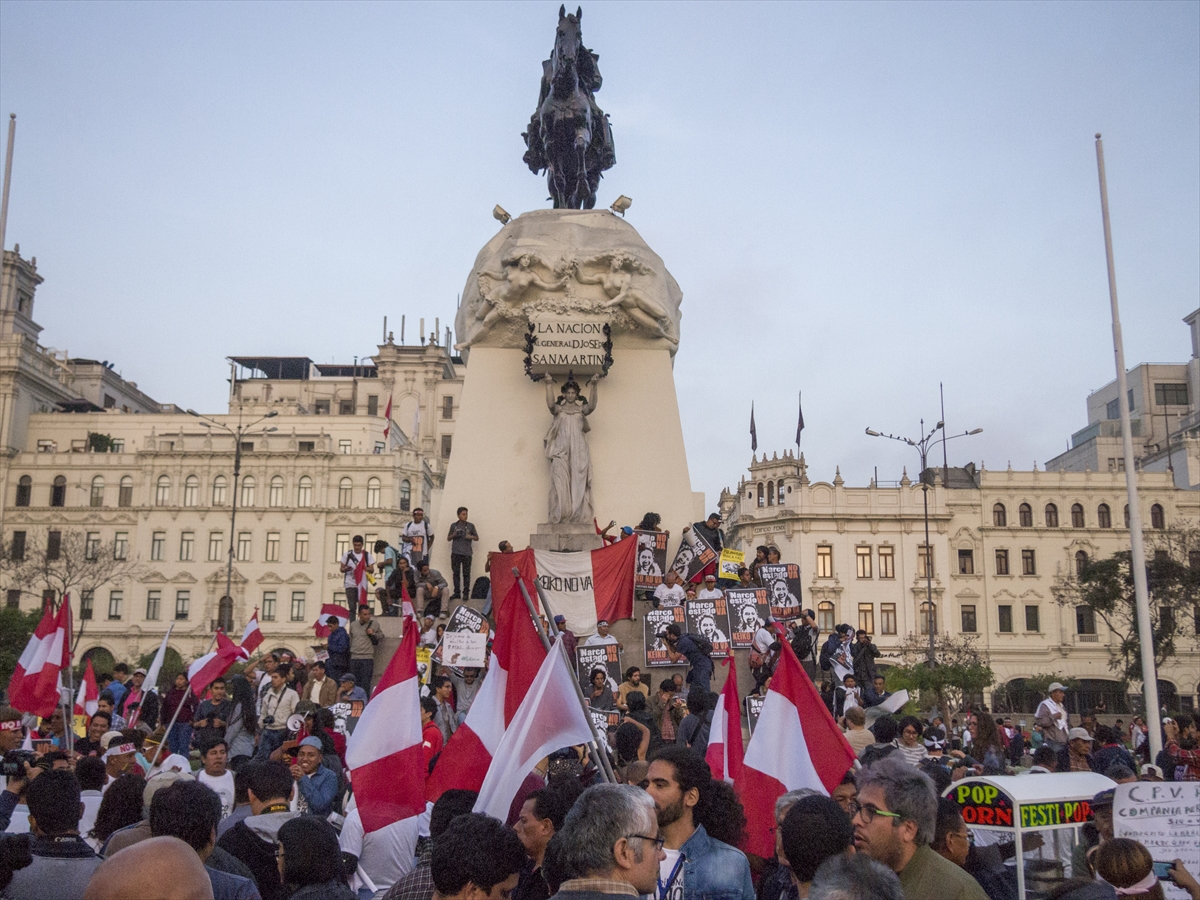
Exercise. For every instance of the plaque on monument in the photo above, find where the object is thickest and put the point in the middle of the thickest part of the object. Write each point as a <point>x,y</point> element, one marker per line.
<point>568,345</point>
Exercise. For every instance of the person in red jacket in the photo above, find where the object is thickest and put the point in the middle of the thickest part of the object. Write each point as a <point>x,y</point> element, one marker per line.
<point>431,735</point>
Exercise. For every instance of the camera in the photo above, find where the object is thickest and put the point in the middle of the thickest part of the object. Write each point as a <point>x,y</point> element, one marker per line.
<point>13,763</point>
<point>269,720</point>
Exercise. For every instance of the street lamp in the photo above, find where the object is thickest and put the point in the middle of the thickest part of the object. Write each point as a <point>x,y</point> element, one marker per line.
<point>922,447</point>
<point>238,434</point>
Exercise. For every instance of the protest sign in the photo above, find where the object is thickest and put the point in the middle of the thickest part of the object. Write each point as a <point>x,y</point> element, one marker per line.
<point>345,715</point>
<point>747,608</point>
<point>782,582</point>
<point>710,619</point>
<point>651,560</point>
<point>424,655</point>
<point>1164,817</point>
<point>655,621</point>
<point>692,556</point>
<point>605,719</point>
<point>463,619</point>
<point>464,649</point>
<point>729,563</point>
<point>754,705</point>
<point>603,656</point>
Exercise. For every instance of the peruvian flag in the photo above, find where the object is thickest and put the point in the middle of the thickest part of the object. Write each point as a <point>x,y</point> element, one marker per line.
<point>330,609</point>
<point>796,744</point>
<point>724,756</point>
<point>251,637</point>
<point>34,684</point>
<point>89,695</point>
<point>387,414</point>
<point>517,654</point>
<point>212,665</point>
<point>583,587</point>
<point>549,717</point>
<point>385,754</point>
<point>360,577</point>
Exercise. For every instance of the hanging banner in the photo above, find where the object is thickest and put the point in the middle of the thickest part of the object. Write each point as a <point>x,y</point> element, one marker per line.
<point>654,622</point>
<point>693,556</point>
<point>747,609</point>
<point>651,559</point>
<point>782,582</point>
<point>710,619</point>
<point>604,656</point>
<point>729,563</point>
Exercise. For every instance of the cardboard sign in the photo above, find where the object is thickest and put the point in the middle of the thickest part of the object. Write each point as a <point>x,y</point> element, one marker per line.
<point>710,619</point>
<point>729,563</point>
<point>651,560</point>
<point>693,556</point>
<point>747,608</point>
<point>782,582</point>
<point>464,649</point>
<point>463,619</point>
<point>345,716</point>
<point>754,705</point>
<point>600,719</point>
<point>604,656</point>
<point>424,658</point>
<point>1164,817</point>
<point>654,622</point>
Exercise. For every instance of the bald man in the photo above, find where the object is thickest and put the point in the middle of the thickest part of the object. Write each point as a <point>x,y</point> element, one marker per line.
<point>163,867</point>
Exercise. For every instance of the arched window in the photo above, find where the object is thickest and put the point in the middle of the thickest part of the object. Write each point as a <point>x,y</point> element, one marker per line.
<point>219,485</point>
<point>276,497</point>
<point>999,515</point>
<point>162,490</point>
<point>1081,561</point>
<point>191,490</point>
<point>925,616</point>
<point>373,493</point>
<point>405,494</point>
<point>779,492</point>
<point>762,495</point>
<point>1126,515</point>
<point>825,617</point>
<point>1077,515</point>
<point>304,491</point>
<point>225,613</point>
<point>770,493</point>
<point>1051,515</point>
<point>58,491</point>
<point>1157,519</point>
<point>96,498</point>
<point>1104,516</point>
<point>1025,513</point>
<point>247,498</point>
<point>125,493</point>
<point>24,490</point>
<point>345,493</point>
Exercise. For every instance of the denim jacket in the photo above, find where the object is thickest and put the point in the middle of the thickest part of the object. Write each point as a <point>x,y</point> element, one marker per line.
<point>713,870</point>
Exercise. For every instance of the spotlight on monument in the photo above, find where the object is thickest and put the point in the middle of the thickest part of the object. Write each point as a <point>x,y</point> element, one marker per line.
<point>873,433</point>
<point>621,204</point>
<point>500,214</point>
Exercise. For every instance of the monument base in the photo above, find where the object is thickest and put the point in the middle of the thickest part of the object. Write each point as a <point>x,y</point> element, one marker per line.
<point>565,537</point>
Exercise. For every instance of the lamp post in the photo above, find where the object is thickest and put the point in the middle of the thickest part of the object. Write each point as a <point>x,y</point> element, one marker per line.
<point>922,446</point>
<point>238,433</point>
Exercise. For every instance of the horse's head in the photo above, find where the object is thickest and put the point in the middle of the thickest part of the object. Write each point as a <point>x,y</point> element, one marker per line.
<point>568,40</point>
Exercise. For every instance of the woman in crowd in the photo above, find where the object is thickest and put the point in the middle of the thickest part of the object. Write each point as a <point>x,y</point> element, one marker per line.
<point>910,744</point>
<point>986,744</point>
<point>599,694</point>
<point>179,697</point>
<point>1128,867</point>
<point>121,806</point>
<point>760,559</point>
<point>243,723</point>
<point>310,861</point>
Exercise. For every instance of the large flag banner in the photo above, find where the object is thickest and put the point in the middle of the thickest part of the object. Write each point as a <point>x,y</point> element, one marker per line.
<point>251,637</point>
<point>654,621</point>
<point>796,745</point>
<point>710,619</point>
<point>747,608</point>
<point>725,752</point>
<point>88,699</point>
<point>151,680</point>
<point>582,587</point>
<point>341,613</point>
<point>693,556</point>
<point>651,559</point>
<point>34,684</point>
<point>782,581</point>
<point>212,665</point>
<point>463,619</point>
<point>603,656</point>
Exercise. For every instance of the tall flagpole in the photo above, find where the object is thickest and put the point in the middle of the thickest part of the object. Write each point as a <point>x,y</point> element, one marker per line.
<point>1137,551</point>
<point>12,131</point>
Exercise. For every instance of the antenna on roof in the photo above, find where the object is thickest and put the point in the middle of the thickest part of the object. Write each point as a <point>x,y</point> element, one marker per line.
<point>402,331</point>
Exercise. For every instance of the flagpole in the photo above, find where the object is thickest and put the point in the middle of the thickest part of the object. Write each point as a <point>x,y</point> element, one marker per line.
<point>69,711</point>
<point>601,756</point>
<point>178,709</point>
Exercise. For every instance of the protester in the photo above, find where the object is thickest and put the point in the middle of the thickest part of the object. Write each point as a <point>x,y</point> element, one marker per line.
<point>243,723</point>
<point>62,863</point>
<point>89,772</point>
<point>693,731</point>
<point>377,858</point>
<point>349,691</point>
<point>316,786</point>
<point>120,806</point>
<point>856,877</point>
<point>212,716</point>
<point>163,867</point>
<point>432,739</point>
<point>278,704</point>
<point>253,840</point>
<point>1128,867</point>
<point>320,689</point>
<point>446,718</point>
<point>461,536</point>
<point>952,840</point>
<point>686,646</point>
<point>542,815</point>
<point>99,725</point>
<point>138,704</point>
<point>416,537</point>
<point>181,698</point>
<point>431,587</point>
<point>909,743</point>
<point>418,883</point>
<point>337,645</point>
<point>986,744</point>
<point>466,688</point>
<point>215,775</point>
<point>602,637</point>
<point>476,857</point>
<point>632,683</point>
<point>814,830</point>
<point>349,563</point>
<point>140,830</point>
<point>310,863</point>
<point>804,639</point>
<point>241,804</point>
<point>670,593</point>
<point>857,735</point>
<point>1076,756</point>
<point>1053,717</point>
<point>570,641</point>
<point>364,636</point>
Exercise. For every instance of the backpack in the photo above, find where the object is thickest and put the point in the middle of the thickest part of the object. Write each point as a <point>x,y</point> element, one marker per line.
<point>703,643</point>
<point>802,642</point>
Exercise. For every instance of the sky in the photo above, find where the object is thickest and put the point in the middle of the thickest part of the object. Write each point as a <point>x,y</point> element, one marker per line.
<point>859,200</point>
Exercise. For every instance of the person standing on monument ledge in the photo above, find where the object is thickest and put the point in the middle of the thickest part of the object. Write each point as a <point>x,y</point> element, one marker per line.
<point>462,533</point>
<point>416,538</point>
<point>710,530</point>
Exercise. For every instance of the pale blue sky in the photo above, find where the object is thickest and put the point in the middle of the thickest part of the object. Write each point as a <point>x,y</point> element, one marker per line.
<point>858,200</point>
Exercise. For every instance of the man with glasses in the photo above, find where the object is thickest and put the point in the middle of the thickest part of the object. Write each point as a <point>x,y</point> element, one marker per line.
<point>895,818</point>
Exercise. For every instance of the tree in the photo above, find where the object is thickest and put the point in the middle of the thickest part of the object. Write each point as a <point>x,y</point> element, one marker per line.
<point>962,671</point>
<point>15,629</point>
<point>100,443</point>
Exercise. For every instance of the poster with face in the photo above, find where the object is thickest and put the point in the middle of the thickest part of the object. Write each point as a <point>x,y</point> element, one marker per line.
<point>345,716</point>
<point>651,559</point>
<point>747,608</point>
<point>462,619</point>
<point>606,657</point>
<point>654,622</point>
<point>605,720</point>
<point>729,563</point>
<point>692,556</point>
<point>782,582</point>
<point>754,705</point>
<point>710,619</point>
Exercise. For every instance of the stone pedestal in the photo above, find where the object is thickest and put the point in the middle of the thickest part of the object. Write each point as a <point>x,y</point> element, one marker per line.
<point>565,537</point>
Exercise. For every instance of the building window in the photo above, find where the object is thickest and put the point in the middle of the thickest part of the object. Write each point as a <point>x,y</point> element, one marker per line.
<point>225,613</point>
<point>275,500</point>
<point>866,617</point>
<point>345,447</point>
<point>301,547</point>
<point>924,561</point>
<point>373,493</point>
<point>345,493</point>
<point>1081,561</point>
<point>1051,515</point>
<point>268,606</point>
<point>17,548</point>
<point>345,407</point>
<point>405,494</point>
<point>341,546</point>
<point>58,491</point>
<point>191,491</point>
<point>306,446</point>
<point>53,545</point>
<point>24,490</point>
<point>304,492</point>
<point>770,493</point>
<point>153,605</point>
<point>1032,622</point>
<point>219,487</point>
<point>1085,620</point>
<point>1116,464</point>
<point>447,442</point>
<point>1028,562</point>
<point>121,545</point>
<point>1171,394</point>
<point>87,604</point>
<point>927,610</point>
<point>999,515</point>
<point>247,446</point>
<point>247,499</point>
<point>47,446</point>
<point>158,543</point>
<point>1001,562</point>
<point>824,562</point>
<point>1025,514</point>
<point>114,604</point>
<point>183,601</point>
<point>968,619</point>
<point>887,562</point>
<point>825,616</point>
<point>447,407</point>
<point>322,407</point>
<point>96,498</point>
<point>272,554</point>
<point>1126,515</point>
<point>297,606</point>
<point>243,546</point>
<point>762,495</point>
<point>162,490</point>
<point>887,618</point>
<point>187,546</point>
<point>1157,519</point>
<point>216,546</point>
<point>966,562</point>
<point>862,561</point>
<point>379,448</point>
<point>1103,516</point>
<point>372,404</point>
<point>12,599</point>
<point>91,545</point>
<point>779,492</point>
<point>1077,515</point>
<point>1112,409</point>
<point>1005,615</point>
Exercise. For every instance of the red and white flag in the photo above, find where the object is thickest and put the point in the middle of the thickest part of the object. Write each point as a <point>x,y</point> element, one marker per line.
<point>341,613</point>
<point>583,587</point>
<point>387,414</point>
<point>35,680</point>
<point>796,744</point>
<point>384,754</point>
<point>724,756</point>
<point>549,718</point>
<point>251,637</point>
<point>360,577</point>
<point>517,654</point>
<point>212,665</point>
<point>88,698</point>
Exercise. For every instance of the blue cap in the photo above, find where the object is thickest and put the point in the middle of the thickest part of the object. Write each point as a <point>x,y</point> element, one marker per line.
<point>312,742</point>
<point>627,530</point>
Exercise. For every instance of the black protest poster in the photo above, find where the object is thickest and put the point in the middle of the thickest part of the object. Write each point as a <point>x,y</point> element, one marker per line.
<point>651,561</point>
<point>654,622</point>
<point>782,582</point>
<point>754,705</point>
<point>710,619</point>
<point>603,656</point>
<point>747,609</point>
<point>463,619</point>
<point>693,556</point>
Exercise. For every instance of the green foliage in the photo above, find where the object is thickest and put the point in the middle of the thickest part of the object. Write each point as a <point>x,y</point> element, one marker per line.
<point>15,629</point>
<point>962,671</point>
<point>1039,683</point>
<point>100,443</point>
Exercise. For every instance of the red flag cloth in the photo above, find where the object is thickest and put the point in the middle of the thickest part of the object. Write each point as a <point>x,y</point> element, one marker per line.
<point>725,751</point>
<point>251,637</point>
<point>387,414</point>
<point>212,665</point>
<point>34,684</point>
<point>360,577</point>
<point>796,744</point>
<point>385,753</point>
<point>87,701</point>
<point>341,613</point>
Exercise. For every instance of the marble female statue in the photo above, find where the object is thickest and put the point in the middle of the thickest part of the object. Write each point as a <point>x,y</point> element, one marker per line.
<point>567,450</point>
<point>617,284</point>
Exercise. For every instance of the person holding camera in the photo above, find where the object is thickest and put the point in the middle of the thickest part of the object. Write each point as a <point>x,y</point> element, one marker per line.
<point>804,635</point>
<point>18,768</point>
<point>278,703</point>
<point>864,654</point>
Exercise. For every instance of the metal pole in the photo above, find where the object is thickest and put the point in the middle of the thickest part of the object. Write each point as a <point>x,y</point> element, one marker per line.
<point>12,131</point>
<point>163,742</point>
<point>237,468</point>
<point>1137,551</point>
<point>932,623</point>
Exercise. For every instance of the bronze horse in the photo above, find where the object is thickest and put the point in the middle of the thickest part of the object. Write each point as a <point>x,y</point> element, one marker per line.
<point>569,136</point>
